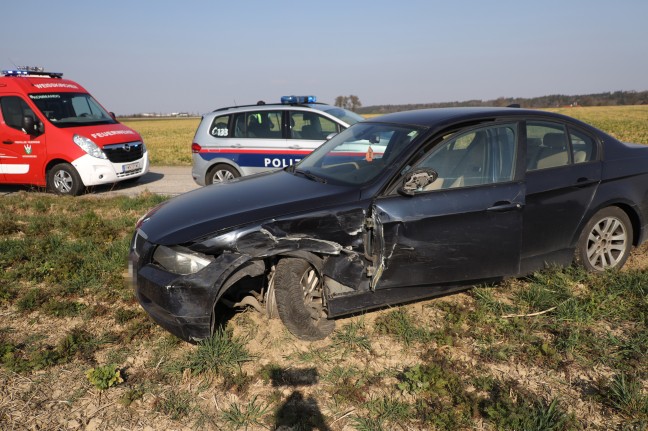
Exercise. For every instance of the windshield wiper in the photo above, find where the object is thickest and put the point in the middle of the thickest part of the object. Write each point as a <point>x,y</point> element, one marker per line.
<point>310,176</point>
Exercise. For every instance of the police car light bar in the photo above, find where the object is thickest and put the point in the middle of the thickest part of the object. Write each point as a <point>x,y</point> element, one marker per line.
<point>288,100</point>
<point>31,71</point>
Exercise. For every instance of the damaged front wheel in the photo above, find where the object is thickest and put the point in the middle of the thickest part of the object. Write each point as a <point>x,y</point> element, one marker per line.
<point>299,297</point>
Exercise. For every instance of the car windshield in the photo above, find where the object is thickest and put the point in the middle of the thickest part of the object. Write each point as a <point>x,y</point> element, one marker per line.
<point>71,109</point>
<point>358,155</point>
<point>347,116</point>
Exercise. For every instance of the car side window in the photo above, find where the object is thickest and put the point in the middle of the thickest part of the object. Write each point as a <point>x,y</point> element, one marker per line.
<point>220,127</point>
<point>480,156</point>
<point>547,145</point>
<point>258,124</point>
<point>14,109</point>
<point>583,146</point>
<point>309,125</point>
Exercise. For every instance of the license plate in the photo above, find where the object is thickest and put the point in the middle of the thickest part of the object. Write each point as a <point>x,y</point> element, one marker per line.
<point>131,167</point>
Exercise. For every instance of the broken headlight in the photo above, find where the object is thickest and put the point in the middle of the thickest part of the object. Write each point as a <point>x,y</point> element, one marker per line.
<point>180,260</point>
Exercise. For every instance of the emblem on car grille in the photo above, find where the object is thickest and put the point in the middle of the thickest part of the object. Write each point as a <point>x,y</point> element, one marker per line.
<point>127,148</point>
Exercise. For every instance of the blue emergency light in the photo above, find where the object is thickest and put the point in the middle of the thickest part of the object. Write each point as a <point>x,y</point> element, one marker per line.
<point>31,72</point>
<point>289,100</point>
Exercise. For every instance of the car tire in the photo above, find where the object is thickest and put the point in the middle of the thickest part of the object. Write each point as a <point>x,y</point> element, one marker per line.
<point>63,179</point>
<point>221,173</point>
<point>606,241</point>
<point>298,293</point>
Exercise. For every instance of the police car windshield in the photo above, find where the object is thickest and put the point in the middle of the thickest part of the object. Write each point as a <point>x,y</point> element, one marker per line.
<point>359,154</point>
<point>347,116</point>
<point>71,109</point>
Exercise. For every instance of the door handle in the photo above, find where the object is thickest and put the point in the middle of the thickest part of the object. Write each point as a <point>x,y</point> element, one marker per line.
<point>584,181</point>
<point>294,147</point>
<point>237,145</point>
<point>7,141</point>
<point>500,207</point>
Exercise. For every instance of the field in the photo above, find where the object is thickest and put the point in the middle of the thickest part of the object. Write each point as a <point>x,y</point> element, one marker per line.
<point>558,350</point>
<point>169,140</point>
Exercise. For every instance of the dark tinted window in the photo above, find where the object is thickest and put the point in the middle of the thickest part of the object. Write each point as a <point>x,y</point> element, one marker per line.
<point>13,111</point>
<point>258,124</point>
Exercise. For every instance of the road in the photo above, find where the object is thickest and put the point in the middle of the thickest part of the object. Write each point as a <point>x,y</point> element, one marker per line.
<point>164,180</point>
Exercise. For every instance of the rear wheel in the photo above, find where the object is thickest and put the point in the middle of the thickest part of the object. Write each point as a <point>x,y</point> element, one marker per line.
<point>63,179</point>
<point>298,293</point>
<point>606,241</point>
<point>221,173</point>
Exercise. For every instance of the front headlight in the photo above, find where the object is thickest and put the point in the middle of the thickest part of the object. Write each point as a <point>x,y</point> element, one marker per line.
<point>181,260</point>
<point>89,147</point>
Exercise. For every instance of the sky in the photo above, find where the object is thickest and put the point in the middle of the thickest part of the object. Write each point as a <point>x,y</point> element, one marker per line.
<point>196,56</point>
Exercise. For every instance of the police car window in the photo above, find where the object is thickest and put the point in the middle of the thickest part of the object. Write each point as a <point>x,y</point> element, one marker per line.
<point>220,127</point>
<point>258,125</point>
<point>13,111</point>
<point>309,125</point>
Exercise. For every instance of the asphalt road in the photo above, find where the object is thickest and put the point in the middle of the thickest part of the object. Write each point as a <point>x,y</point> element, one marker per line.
<point>164,180</point>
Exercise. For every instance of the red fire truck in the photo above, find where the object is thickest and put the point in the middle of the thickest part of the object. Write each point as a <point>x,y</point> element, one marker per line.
<point>54,134</point>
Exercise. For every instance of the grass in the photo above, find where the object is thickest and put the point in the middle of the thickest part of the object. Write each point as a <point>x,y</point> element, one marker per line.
<point>557,350</point>
<point>167,140</point>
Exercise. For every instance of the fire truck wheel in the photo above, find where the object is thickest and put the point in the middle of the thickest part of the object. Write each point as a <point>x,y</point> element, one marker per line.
<point>63,179</point>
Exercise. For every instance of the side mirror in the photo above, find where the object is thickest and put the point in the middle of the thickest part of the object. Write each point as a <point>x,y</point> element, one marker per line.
<point>113,116</point>
<point>416,180</point>
<point>330,135</point>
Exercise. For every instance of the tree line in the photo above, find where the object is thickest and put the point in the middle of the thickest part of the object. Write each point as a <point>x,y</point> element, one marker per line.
<point>550,101</point>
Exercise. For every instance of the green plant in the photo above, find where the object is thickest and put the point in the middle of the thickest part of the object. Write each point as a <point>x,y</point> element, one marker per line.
<point>105,376</point>
<point>223,351</point>
<point>175,404</point>
<point>351,336</point>
<point>400,325</point>
<point>624,394</point>
<point>241,417</point>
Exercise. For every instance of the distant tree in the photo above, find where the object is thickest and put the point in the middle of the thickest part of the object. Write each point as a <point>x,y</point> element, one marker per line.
<point>351,102</point>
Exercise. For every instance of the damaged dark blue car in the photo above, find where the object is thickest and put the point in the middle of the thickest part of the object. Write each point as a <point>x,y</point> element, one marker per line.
<point>394,209</point>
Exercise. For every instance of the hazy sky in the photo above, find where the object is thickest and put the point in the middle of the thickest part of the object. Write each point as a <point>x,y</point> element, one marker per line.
<point>169,56</point>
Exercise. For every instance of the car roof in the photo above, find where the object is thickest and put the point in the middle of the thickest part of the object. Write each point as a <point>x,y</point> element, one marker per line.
<point>436,117</point>
<point>270,106</point>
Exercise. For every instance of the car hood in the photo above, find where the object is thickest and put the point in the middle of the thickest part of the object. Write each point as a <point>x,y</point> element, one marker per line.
<point>207,210</point>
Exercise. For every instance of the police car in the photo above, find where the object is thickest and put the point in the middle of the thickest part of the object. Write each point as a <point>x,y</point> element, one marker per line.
<point>243,140</point>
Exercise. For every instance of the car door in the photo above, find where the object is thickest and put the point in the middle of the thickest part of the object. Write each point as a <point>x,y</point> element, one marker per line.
<point>563,172</point>
<point>22,153</point>
<point>466,225</point>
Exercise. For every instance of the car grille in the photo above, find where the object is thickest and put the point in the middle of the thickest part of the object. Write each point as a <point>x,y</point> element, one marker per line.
<point>121,153</point>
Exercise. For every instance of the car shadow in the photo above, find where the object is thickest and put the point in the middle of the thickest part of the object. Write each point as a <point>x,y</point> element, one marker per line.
<point>128,185</point>
<point>298,411</point>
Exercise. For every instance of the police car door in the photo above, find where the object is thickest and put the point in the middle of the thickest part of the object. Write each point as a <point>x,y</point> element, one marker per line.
<point>22,152</point>
<point>259,141</point>
<point>308,130</point>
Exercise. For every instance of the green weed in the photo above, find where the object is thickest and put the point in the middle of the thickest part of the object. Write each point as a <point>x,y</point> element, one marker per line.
<point>222,352</point>
<point>105,376</point>
<point>239,417</point>
<point>399,324</point>
<point>175,404</point>
<point>624,394</point>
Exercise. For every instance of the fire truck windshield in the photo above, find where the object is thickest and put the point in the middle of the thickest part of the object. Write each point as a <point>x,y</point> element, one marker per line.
<point>71,109</point>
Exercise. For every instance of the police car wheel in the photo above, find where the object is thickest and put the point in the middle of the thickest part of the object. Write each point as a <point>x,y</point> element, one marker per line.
<point>298,293</point>
<point>221,174</point>
<point>63,179</point>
